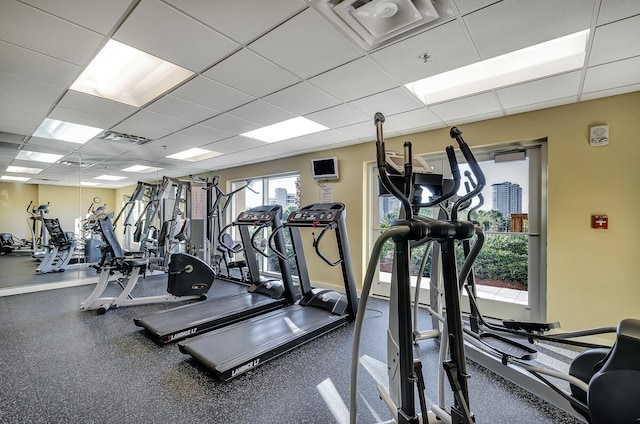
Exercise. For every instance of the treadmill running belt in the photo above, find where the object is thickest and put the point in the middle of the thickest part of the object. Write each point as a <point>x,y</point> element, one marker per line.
<point>235,349</point>
<point>178,323</point>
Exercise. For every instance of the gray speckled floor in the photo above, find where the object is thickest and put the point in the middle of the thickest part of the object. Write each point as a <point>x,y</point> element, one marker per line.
<point>60,365</point>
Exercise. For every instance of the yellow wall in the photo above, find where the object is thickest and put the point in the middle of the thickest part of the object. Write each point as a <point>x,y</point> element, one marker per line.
<point>67,204</point>
<point>591,275</point>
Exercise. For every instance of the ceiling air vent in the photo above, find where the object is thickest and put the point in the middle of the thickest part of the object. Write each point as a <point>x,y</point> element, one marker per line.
<point>124,138</point>
<point>374,23</point>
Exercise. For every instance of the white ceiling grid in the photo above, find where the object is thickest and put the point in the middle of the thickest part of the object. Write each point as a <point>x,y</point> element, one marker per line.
<point>261,62</point>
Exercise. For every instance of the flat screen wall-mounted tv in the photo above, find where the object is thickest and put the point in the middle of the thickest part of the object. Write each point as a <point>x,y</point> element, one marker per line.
<point>325,169</point>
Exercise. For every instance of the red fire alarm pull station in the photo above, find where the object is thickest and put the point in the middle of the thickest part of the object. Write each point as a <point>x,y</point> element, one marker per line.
<point>600,222</point>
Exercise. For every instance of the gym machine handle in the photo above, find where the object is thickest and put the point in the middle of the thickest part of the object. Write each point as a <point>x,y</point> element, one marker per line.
<point>316,244</point>
<point>475,168</point>
<point>281,255</point>
<point>382,167</point>
<point>254,244</point>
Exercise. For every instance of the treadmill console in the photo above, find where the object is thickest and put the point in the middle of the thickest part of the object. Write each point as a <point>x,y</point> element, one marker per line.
<point>319,213</point>
<point>259,215</point>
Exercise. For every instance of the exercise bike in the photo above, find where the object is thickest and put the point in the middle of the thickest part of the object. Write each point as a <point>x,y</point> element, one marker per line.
<point>189,278</point>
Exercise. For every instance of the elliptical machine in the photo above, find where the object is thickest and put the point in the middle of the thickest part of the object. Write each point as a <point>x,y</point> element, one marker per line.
<point>405,372</point>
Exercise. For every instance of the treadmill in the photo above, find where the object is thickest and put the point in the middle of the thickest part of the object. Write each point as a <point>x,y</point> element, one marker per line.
<point>262,296</point>
<point>235,349</point>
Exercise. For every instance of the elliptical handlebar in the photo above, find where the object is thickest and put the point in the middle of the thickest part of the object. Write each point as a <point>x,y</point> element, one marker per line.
<point>475,169</point>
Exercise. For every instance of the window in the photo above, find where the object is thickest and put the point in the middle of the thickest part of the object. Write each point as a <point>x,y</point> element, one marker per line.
<point>283,190</point>
<point>510,271</point>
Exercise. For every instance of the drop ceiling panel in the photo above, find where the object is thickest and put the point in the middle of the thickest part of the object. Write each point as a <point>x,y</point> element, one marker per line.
<point>327,138</point>
<point>542,105</point>
<point>160,30</point>
<point>307,45</point>
<point>62,39</point>
<point>302,99</point>
<point>36,66</point>
<point>207,134</point>
<point>211,94</point>
<point>97,15</point>
<point>613,10</point>
<point>107,148</point>
<point>337,116</point>
<point>403,62</point>
<point>181,109</point>
<point>624,34</point>
<point>511,25</point>
<point>341,84</point>
<point>248,72</point>
<point>150,125</point>
<point>16,122</point>
<point>29,89</point>
<point>24,106</point>
<point>224,15</point>
<point>230,124</point>
<point>389,102</point>
<point>548,89</point>
<point>467,6</point>
<point>413,121</point>
<point>261,113</point>
<point>479,105</point>
<point>234,144</point>
<point>612,75</point>
<point>90,110</point>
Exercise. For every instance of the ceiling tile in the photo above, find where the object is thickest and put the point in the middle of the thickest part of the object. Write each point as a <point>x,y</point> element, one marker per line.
<point>224,15</point>
<point>539,91</point>
<point>612,75</point>
<point>97,15</point>
<point>54,37</point>
<point>211,94</point>
<point>150,125</point>
<point>467,6</point>
<point>36,66</point>
<point>327,138</point>
<point>542,105</point>
<point>230,124</point>
<point>18,122</point>
<point>205,133</point>
<point>413,121</point>
<point>261,113</point>
<point>389,102</point>
<point>613,10</point>
<point>511,25</point>
<point>339,82</point>
<point>181,109</point>
<point>403,60</point>
<point>624,34</point>
<point>455,110</point>
<point>234,144</point>
<point>160,30</point>
<point>90,110</point>
<point>307,45</point>
<point>108,148</point>
<point>302,99</point>
<point>13,85</point>
<point>248,72</point>
<point>24,106</point>
<point>337,116</point>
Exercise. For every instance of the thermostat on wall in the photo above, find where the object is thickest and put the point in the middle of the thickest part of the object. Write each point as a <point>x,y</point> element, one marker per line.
<point>599,136</point>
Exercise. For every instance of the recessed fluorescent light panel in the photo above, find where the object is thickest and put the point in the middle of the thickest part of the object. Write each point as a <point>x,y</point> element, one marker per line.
<point>66,131</point>
<point>37,156</point>
<point>110,177</point>
<point>14,178</point>
<point>549,58</point>
<point>23,170</point>
<point>142,169</point>
<point>285,130</point>
<point>194,155</point>
<point>127,75</point>
<point>88,183</point>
